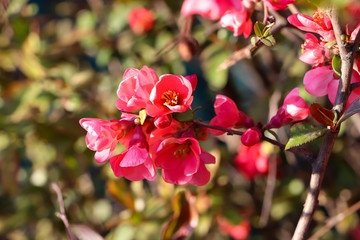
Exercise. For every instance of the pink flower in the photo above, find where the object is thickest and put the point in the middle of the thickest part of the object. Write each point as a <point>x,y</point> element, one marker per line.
<point>141,20</point>
<point>228,115</point>
<point>323,81</point>
<point>238,21</point>
<point>252,161</point>
<point>293,109</point>
<point>319,23</point>
<point>179,159</point>
<point>314,51</point>
<point>134,163</point>
<point>278,5</point>
<point>212,9</point>
<point>134,90</point>
<point>170,94</point>
<point>238,232</point>
<point>102,136</point>
<point>251,137</point>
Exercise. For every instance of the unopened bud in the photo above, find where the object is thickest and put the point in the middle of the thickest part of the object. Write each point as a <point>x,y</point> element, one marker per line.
<point>251,137</point>
<point>187,47</point>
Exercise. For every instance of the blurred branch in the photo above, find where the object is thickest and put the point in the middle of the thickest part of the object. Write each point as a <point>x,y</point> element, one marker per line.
<point>269,191</point>
<point>335,220</point>
<point>62,214</point>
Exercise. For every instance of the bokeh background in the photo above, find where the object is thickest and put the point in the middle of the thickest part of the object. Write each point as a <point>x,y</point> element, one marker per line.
<point>61,61</point>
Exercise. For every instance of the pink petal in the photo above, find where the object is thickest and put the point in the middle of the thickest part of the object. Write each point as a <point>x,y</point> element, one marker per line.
<point>316,80</point>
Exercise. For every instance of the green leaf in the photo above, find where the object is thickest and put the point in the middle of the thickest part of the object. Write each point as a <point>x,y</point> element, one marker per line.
<point>267,29</point>
<point>253,41</point>
<point>303,133</point>
<point>269,41</point>
<point>142,115</point>
<point>336,65</point>
<point>186,116</point>
<point>259,29</point>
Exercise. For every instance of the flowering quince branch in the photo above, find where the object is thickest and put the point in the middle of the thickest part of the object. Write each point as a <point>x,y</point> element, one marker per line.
<point>319,165</point>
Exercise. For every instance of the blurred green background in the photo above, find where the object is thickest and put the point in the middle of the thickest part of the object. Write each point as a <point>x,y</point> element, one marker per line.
<point>61,61</point>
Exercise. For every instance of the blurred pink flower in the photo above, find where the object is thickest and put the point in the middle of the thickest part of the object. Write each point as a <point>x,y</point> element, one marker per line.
<point>212,9</point>
<point>236,231</point>
<point>172,93</point>
<point>134,90</point>
<point>238,21</point>
<point>278,4</point>
<point>293,109</point>
<point>315,51</point>
<point>251,161</point>
<point>140,20</point>
<point>202,176</point>
<point>228,115</point>
<point>319,23</point>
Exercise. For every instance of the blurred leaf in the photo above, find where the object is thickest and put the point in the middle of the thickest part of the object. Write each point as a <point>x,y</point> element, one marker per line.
<point>186,116</point>
<point>121,192</point>
<point>142,115</point>
<point>302,133</point>
<point>321,114</point>
<point>83,232</point>
<point>184,219</point>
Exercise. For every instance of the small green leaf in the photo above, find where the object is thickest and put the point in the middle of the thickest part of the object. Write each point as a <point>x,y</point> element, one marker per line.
<point>259,28</point>
<point>186,116</point>
<point>303,133</point>
<point>336,65</point>
<point>269,41</point>
<point>330,44</point>
<point>253,41</point>
<point>142,115</point>
<point>267,29</point>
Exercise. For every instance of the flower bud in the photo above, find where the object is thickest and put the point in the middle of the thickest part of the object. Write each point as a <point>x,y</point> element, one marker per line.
<point>251,137</point>
<point>163,121</point>
<point>141,20</point>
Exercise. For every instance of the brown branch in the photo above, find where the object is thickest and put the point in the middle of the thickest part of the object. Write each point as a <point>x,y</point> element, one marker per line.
<point>319,166</point>
<point>317,175</point>
<point>62,214</point>
<point>335,220</point>
<point>296,150</point>
<point>347,61</point>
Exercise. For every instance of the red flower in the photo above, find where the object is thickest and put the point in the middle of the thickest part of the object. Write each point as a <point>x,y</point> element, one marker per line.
<point>319,23</point>
<point>314,51</point>
<point>278,4</point>
<point>140,20</point>
<point>179,159</point>
<point>134,163</point>
<point>172,93</point>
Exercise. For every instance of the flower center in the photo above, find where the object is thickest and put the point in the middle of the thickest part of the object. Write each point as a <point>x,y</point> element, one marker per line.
<point>319,18</point>
<point>170,98</point>
<point>183,150</point>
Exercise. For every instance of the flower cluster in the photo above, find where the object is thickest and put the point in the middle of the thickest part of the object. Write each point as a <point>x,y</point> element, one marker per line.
<point>153,138</point>
<point>321,80</point>
<point>233,14</point>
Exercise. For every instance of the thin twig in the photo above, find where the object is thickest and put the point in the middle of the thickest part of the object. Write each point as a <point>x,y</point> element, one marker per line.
<point>297,150</point>
<point>269,191</point>
<point>62,214</point>
<point>335,220</point>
